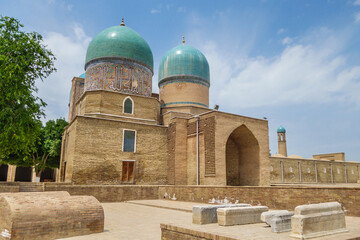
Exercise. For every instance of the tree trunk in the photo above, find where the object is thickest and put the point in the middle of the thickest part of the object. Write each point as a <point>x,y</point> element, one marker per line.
<point>38,176</point>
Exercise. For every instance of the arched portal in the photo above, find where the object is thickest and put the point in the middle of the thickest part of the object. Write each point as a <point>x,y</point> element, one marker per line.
<point>3,172</point>
<point>242,158</point>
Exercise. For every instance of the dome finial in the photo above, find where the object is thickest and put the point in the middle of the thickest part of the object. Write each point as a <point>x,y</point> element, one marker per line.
<point>183,39</point>
<point>122,22</point>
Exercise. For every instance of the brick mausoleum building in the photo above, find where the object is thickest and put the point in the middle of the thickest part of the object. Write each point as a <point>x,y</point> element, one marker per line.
<point>120,132</point>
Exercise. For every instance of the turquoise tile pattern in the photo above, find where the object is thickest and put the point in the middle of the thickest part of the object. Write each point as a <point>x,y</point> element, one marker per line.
<point>184,60</point>
<point>120,41</point>
<point>82,75</point>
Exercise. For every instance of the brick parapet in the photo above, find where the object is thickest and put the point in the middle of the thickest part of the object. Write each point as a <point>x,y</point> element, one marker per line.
<point>108,193</point>
<point>275,197</point>
<point>299,170</point>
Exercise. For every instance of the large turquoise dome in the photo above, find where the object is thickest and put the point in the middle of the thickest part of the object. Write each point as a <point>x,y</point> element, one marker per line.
<point>184,61</point>
<point>120,42</point>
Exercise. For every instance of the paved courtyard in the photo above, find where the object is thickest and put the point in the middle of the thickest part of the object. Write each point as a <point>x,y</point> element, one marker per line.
<point>140,220</point>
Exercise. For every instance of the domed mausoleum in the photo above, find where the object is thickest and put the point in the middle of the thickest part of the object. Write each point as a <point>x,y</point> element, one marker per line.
<point>184,77</point>
<point>120,132</point>
<point>119,59</point>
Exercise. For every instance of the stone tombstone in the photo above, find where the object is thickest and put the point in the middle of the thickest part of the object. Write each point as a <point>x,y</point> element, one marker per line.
<point>278,220</point>
<point>206,214</point>
<point>240,215</point>
<point>30,216</point>
<point>316,220</point>
<point>281,222</point>
<point>267,216</point>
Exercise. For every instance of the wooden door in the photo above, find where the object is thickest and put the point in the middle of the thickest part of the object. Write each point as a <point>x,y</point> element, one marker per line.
<point>127,171</point>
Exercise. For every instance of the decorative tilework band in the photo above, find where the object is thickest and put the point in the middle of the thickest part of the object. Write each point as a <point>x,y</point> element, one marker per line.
<point>180,79</point>
<point>120,76</point>
<point>192,103</point>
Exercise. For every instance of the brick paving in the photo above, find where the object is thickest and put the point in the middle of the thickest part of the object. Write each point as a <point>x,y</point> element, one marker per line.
<point>140,220</point>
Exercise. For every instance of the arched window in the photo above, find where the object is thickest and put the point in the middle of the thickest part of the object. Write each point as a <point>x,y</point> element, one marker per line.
<point>128,105</point>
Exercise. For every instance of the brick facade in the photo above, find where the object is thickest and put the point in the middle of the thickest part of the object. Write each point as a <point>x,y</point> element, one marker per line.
<point>169,147</point>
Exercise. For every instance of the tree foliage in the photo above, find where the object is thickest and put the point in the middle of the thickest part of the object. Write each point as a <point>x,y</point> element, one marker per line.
<point>48,147</point>
<point>23,60</point>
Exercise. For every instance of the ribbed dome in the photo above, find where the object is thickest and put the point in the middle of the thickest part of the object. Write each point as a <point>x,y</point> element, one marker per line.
<point>184,60</point>
<point>281,129</point>
<point>120,41</point>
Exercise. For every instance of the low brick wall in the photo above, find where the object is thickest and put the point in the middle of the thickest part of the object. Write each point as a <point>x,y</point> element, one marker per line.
<point>171,232</point>
<point>9,187</point>
<point>275,197</point>
<point>108,193</point>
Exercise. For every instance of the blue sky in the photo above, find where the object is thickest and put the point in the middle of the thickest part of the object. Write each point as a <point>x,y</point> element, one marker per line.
<point>295,62</point>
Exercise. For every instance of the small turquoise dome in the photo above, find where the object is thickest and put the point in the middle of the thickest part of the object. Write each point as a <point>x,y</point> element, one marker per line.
<point>82,75</point>
<point>281,129</point>
<point>120,41</point>
<point>184,60</point>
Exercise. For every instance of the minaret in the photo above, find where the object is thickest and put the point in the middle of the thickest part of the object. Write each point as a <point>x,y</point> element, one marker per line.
<point>282,141</point>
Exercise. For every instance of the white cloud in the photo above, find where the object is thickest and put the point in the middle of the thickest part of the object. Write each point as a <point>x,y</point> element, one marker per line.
<point>61,4</point>
<point>158,9</point>
<point>286,41</point>
<point>280,31</point>
<point>305,72</point>
<point>153,11</point>
<point>181,9</point>
<point>357,17</point>
<point>357,3</point>
<point>70,52</point>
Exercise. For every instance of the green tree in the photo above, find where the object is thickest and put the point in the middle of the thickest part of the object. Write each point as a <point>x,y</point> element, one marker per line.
<point>48,146</point>
<point>23,59</point>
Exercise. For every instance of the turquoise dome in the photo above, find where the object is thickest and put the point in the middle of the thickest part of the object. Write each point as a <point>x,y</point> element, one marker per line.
<point>120,42</point>
<point>281,129</point>
<point>184,60</point>
<point>82,75</point>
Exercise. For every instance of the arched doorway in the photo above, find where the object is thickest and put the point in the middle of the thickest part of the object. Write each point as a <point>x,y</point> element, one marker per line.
<point>3,172</point>
<point>23,174</point>
<point>242,158</point>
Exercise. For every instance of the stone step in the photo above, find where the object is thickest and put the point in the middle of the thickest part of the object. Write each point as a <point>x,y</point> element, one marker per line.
<point>31,187</point>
